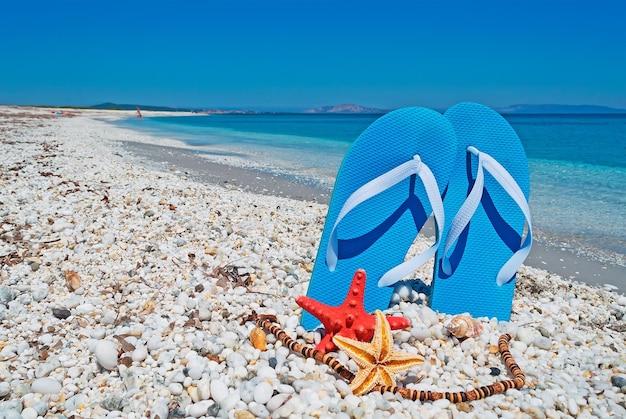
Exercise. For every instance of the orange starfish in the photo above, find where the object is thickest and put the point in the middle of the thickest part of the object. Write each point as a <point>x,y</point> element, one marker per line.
<point>378,361</point>
<point>350,319</point>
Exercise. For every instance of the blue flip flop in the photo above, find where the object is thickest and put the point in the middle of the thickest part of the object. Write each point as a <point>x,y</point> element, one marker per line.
<point>488,228</point>
<point>389,182</point>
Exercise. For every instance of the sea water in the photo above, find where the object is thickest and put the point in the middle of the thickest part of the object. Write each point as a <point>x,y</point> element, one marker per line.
<point>577,162</point>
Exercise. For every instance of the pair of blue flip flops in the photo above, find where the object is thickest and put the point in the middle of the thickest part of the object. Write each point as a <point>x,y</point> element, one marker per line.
<point>468,170</point>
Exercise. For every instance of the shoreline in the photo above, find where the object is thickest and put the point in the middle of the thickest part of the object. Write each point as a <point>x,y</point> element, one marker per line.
<point>197,167</point>
<point>124,292</point>
<point>554,258</point>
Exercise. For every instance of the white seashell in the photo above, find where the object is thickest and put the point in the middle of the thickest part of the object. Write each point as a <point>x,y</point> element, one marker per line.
<point>464,327</point>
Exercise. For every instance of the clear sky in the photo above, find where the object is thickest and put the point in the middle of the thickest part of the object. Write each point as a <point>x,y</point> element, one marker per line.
<point>301,53</point>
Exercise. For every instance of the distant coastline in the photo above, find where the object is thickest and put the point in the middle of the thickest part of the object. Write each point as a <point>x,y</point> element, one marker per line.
<point>350,108</point>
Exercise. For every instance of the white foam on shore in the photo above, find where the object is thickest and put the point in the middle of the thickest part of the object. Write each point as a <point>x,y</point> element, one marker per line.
<point>146,245</point>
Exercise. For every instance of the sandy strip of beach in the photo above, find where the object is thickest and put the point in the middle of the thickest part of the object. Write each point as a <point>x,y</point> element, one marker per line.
<point>123,290</point>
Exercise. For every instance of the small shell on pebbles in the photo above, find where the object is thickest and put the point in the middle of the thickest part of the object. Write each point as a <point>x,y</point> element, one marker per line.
<point>463,326</point>
<point>258,338</point>
<point>73,281</point>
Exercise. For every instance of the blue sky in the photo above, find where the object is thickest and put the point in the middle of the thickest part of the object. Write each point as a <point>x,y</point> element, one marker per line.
<point>300,53</point>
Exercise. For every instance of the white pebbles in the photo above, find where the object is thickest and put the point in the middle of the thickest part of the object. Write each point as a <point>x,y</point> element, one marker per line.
<point>168,268</point>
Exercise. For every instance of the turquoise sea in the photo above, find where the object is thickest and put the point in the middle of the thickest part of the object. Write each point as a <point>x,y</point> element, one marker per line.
<point>577,162</point>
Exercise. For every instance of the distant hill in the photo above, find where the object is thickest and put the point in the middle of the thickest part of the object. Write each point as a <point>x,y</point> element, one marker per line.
<point>345,108</point>
<point>128,107</point>
<point>559,109</point>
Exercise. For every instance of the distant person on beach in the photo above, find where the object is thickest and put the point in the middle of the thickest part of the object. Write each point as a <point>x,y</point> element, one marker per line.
<point>65,113</point>
<point>139,113</point>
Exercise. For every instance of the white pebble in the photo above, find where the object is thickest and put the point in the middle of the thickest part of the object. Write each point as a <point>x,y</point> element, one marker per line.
<point>230,401</point>
<point>441,404</point>
<point>109,317</point>
<point>73,301</point>
<point>429,317</point>
<point>85,309</point>
<point>266,372</point>
<point>160,409</point>
<point>108,239</point>
<point>258,410</point>
<point>106,354</point>
<point>175,388</point>
<point>98,333</point>
<point>154,343</point>
<point>204,389</point>
<point>139,354</point>
<point>195,368</point>
<point>46,339</point>
<point>420,332</point>
<point>277,401</point>
<point>572,406</point>
<point>46,385</point>
<point>235,359</point>
<point>61,225</point>
<point>74,372</point>
<point>40,293</point>
<point>219,390</point>
<point>543,343</point>
<point>29,413</point>
<point>42,370</point>
<point>204,313</point>
<point>229,339</point>
<point>4,389</point>
<point>199,409</point>
<point>73,402</point>
<point>263,392</point>
<point>240,372</point>
<point>525,335</point>
<point>403,290</point>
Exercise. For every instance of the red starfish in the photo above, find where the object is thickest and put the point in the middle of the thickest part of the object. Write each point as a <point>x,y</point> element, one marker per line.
<point>349,319</point>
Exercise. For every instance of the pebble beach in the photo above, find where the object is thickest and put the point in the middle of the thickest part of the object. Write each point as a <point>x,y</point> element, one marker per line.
<point>124,290</point>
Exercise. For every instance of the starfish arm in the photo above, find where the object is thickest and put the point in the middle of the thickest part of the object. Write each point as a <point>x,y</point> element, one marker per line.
<point>382,336</point>
<point>398,361</point>
<point>314,307</point>
<point>356,292</point>
<point>386,377</point>
<point>397,322</point>
<point>326,344</point>
<point>364,381</point>
<point>363,353</point>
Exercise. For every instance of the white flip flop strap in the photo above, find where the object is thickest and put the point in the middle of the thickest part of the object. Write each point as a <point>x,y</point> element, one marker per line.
<point>467,210</point>
<point>375,187</point>
<point>434,197</point>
